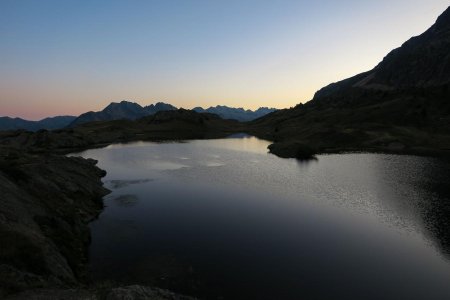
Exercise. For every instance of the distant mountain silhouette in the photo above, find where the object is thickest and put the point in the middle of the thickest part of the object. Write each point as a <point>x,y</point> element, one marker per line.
<point>403,104</point>
<point>122,110</point>
<point>232,113</point>
<point>7,123</point>
<point>126,110</point>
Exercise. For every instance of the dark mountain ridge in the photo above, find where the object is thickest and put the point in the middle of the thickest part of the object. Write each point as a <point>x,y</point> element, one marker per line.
<point>122,110</point>
<point>422,61</point>
<point>232,113</point>
<point>129,111</point>
<point>114,111</point>
<point>7,123</point>
<point>402,105</point>
<point>164,125</point>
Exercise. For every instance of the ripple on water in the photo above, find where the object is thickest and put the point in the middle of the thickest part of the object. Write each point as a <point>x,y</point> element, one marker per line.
<point>248,231</point>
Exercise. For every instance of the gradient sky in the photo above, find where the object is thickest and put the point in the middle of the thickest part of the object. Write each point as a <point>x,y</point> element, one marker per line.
<point>67,57</point>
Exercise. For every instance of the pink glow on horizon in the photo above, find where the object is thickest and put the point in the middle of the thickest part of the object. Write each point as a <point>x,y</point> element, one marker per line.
<point>54,64</point>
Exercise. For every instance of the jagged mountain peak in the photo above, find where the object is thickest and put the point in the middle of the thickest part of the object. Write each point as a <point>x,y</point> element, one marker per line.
<point>239,113</point>
<point>123,105</point>
<point>121,110</point>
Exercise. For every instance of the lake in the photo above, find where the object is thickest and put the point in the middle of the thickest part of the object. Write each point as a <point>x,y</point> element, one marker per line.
<point>223,219</point>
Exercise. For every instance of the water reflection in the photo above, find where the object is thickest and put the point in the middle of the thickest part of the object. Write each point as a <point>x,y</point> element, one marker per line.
<point>306,163</point>
<point>223,218</point>
<point>126,200</point>
<point>117,184</point>
<point>436,211</point>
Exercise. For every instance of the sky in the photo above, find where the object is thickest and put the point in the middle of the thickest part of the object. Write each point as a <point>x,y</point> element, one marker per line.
<point>66,57</point>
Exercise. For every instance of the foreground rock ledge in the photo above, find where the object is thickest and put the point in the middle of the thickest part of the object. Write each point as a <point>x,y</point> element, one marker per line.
<point>133,292</point>
<point>46,204</point>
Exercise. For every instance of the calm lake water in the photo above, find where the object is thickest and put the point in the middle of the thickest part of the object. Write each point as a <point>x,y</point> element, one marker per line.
<point>223,219</point>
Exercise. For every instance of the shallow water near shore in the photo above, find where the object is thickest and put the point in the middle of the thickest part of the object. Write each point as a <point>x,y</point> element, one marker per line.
<point>225,219</point>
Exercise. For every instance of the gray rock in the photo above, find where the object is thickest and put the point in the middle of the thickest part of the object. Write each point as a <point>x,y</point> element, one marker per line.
<point>47,202</point>
<point>133,292</point>
<point>138,292</point>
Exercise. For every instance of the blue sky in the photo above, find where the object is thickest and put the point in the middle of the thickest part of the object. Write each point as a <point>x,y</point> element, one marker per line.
<point>67,57</point>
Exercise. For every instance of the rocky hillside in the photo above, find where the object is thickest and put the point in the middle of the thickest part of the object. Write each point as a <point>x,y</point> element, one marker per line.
<point>421,62</point>
<point>402,105</point>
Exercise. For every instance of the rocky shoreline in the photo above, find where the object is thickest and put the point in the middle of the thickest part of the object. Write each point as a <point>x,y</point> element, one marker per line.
<point>47,203</point>
<point>48,200</point>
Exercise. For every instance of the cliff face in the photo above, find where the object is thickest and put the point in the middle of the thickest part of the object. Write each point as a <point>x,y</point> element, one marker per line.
<point>46,204</point>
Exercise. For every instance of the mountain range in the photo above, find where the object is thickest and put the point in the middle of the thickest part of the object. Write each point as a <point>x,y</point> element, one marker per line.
<point>7,123</point>
<point>122,110</point>
<point>126,110</point>
<point>402,105</point>
<point>232,113</point>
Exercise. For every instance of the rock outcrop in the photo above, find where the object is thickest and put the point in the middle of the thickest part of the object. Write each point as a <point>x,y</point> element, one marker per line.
<point>133,292</point>
<point>46,204</point>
